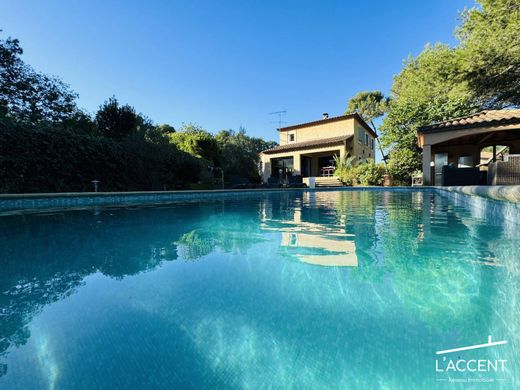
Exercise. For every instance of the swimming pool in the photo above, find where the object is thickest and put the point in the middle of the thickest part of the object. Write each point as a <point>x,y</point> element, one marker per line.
<point>350,289</point>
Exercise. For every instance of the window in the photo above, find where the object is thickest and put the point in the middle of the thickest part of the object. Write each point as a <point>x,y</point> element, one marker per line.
<point>360,135</point>
<point>465,162</point>
<point>292,137</point>
<point>366,139</point>
<point>372,143</point>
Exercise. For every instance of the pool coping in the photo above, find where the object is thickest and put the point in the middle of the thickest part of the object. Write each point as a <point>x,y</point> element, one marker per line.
<point>501,193</point>
<point>42,201</point>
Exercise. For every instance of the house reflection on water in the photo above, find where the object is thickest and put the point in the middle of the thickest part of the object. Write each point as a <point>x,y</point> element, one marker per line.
<point>313,232</point>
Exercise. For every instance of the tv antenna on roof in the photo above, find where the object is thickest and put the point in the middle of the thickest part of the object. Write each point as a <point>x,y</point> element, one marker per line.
<point>280,114</point>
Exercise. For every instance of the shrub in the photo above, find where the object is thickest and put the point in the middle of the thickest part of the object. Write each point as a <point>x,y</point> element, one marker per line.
<point>344,169</point>
<point>366,173</point>
<point>402,164</point>
<point>51,158</point>
<point>369,174</point>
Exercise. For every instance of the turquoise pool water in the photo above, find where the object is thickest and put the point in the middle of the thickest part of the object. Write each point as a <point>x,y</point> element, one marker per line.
<point>338,289</point>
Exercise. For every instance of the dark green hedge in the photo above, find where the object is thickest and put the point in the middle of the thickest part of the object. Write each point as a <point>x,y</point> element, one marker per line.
<point>50,158</point>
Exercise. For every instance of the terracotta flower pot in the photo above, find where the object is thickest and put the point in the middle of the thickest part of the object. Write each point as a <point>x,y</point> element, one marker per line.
<point>388,180</point>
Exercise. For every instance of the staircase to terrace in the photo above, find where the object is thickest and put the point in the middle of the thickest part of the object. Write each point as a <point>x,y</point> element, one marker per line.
<point>330,181</point>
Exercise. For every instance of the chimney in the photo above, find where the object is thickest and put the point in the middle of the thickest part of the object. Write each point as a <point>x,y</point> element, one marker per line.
<point>325,115</point>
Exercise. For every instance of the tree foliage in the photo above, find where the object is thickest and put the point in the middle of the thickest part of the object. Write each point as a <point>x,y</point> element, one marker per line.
<point>47,144</point>
<point>403,162</point>
<point>442,82</point>
<point>116,121</point>
<point>369,104</point>
<point>239,153</point>
<point>352,172</point>
<point>490,51</point>
<point>51,158</point>
<point>369,173</point>
<point>27,95</point>
<point>196,141</point>
<point>159,134</point>
<point>344,169</point>
<point>429,88</point>
<point>233,151</point>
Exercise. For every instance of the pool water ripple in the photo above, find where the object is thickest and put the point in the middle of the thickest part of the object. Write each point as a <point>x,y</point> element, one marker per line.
<point>336,289</point>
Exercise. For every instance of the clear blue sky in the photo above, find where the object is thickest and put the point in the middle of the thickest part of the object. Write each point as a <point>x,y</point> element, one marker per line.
<point>224,64</point>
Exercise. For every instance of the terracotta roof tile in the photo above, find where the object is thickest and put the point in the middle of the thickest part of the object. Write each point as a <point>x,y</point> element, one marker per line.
<point>308,144</point>
<point>483,118</point>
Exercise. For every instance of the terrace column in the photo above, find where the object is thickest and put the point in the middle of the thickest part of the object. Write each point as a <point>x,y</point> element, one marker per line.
<point>266,170</point>
<point>342,152</point>
<point>297,164</point>
<point>427,158</point>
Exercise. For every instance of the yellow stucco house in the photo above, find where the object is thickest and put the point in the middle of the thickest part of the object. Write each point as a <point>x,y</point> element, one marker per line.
<point>308,149</point>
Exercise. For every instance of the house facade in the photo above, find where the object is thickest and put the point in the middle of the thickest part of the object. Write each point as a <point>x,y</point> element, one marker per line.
<point>308,149</point>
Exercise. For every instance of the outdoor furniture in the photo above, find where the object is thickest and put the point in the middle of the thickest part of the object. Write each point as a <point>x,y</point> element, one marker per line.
<point>417,179</point>
<point>296,181</point>
<point>452,176</point>
<point>327,171</point>
<point>502,173</point>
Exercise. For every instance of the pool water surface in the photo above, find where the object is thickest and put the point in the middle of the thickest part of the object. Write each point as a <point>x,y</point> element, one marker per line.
<point>333,289</point>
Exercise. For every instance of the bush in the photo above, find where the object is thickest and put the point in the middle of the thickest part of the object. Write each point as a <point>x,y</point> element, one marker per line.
<point>402,164</point>
<point>344,169</point>
<point>51,158</point>
<point>366,173</point>
<point>369,174</point>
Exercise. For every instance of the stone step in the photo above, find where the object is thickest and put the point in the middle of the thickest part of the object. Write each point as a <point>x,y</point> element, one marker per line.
<point>328,182</point>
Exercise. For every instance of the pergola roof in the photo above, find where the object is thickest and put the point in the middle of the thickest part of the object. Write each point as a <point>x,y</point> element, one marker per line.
<point>308,144</point>
<point>480,119</point>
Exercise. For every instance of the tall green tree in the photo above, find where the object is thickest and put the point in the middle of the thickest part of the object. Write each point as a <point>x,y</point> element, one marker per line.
<point>483,71</point>
<point>370,105</point>
<point>27,95</point>
<point>81,121</point>
<point>159,134</point>
<point>239,153</point>
<point>116,121</point>
<point>429,88</point>
<point>490,51</point>
<point>196,141</point>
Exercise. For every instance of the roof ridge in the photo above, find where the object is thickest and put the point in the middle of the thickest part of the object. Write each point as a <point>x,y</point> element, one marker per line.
<point>320,120</point>
<point>484,116</point>
<point>476,114</point>
<point>459,117</point>
<point>352,115</point>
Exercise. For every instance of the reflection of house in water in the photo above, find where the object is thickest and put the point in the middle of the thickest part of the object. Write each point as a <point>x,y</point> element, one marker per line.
<point>312,235</point>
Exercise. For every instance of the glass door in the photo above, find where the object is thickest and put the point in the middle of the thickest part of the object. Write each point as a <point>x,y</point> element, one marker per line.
<point>441,159</point>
